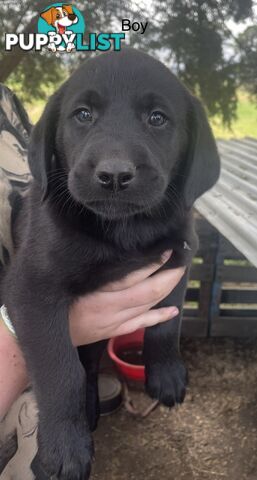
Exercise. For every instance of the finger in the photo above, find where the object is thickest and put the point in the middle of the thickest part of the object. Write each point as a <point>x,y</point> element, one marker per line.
<point>137,276</point>
<point>151,290</point>
<point>132,312</point>
<point>148,319</point>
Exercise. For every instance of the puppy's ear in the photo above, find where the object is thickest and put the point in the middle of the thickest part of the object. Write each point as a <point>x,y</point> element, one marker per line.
<point>47,15</point>
<point>202,163</point>
<point>41,152</point>
<point>68,8</point>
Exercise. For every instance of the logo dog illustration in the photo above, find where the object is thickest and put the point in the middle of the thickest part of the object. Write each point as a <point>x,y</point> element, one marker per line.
<point>60,18</point>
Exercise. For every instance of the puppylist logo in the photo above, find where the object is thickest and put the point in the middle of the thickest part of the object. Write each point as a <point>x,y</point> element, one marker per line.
<point>61,28</point>
<point>61,23</point>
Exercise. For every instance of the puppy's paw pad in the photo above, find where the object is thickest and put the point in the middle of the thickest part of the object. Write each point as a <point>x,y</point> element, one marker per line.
<point>167,383</point>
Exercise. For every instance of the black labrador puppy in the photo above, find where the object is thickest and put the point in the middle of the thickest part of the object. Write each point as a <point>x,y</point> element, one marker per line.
<point>119,156</point>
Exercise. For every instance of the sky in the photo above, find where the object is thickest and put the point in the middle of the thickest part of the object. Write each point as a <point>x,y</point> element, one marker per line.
<point>240,27</point>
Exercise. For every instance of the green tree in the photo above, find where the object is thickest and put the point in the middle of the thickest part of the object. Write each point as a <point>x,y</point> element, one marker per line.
<point>247,51</point>
<point>194,36</point>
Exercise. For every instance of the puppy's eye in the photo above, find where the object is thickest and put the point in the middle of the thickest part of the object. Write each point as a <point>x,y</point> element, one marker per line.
<point>65,14</point>
<point>84,115</point>
<point>58,16</point>
<point>157,119</point>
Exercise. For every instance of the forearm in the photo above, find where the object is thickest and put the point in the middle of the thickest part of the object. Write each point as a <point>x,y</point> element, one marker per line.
<point>126,308</point>
<point>13,372</point>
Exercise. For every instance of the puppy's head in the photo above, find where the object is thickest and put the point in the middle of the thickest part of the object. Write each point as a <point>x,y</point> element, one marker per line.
<point>128,136</point>
<point>60,17</point>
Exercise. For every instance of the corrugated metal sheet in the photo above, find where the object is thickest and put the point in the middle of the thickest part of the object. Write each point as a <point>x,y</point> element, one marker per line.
<point>231,206</point>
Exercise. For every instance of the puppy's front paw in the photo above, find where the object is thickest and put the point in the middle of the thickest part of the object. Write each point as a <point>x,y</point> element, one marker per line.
<point>66,450</point>
<point>167,383</point>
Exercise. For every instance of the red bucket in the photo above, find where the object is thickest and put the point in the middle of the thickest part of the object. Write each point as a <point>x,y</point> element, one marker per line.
<point>125,353</point>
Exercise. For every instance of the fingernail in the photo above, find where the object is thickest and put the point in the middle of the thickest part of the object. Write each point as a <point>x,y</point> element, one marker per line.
<point>166,255</point>
<point>174,311</point>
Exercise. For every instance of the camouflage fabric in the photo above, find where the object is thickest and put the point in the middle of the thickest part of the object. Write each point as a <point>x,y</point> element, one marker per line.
<point>18,439</point>
<point>18,428</point>
<point>14,170</point>
<point>14,135</point>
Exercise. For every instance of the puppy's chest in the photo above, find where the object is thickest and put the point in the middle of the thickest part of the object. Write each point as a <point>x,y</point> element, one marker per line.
<point>86,265</point>
<point>81,260</point>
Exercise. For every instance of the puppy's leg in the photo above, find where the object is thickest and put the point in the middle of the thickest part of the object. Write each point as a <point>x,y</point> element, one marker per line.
<point>90,356</point>
<point>166,375</point>
<point>41,323</point>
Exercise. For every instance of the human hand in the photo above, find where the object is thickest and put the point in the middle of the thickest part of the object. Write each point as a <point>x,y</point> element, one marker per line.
<point>124,306</point>
<point>118,308</point>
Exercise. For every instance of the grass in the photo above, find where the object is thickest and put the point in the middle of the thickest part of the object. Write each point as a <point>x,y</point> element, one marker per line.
<point>245,125</point>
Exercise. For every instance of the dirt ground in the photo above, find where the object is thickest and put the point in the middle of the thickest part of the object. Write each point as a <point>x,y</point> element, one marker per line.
<point>212,436</point>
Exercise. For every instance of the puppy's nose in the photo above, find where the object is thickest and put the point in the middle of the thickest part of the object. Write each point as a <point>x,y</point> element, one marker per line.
<point>115,182</point>
<point>72,16</point>
<point>115,175</point>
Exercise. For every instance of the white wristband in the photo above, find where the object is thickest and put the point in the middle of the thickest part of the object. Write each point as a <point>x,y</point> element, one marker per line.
<point>6,319</point>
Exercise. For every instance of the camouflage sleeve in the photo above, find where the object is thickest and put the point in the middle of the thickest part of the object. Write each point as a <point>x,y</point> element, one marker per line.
<point>14,170</point>
<point>18,428</point>
<point>18,440</point>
